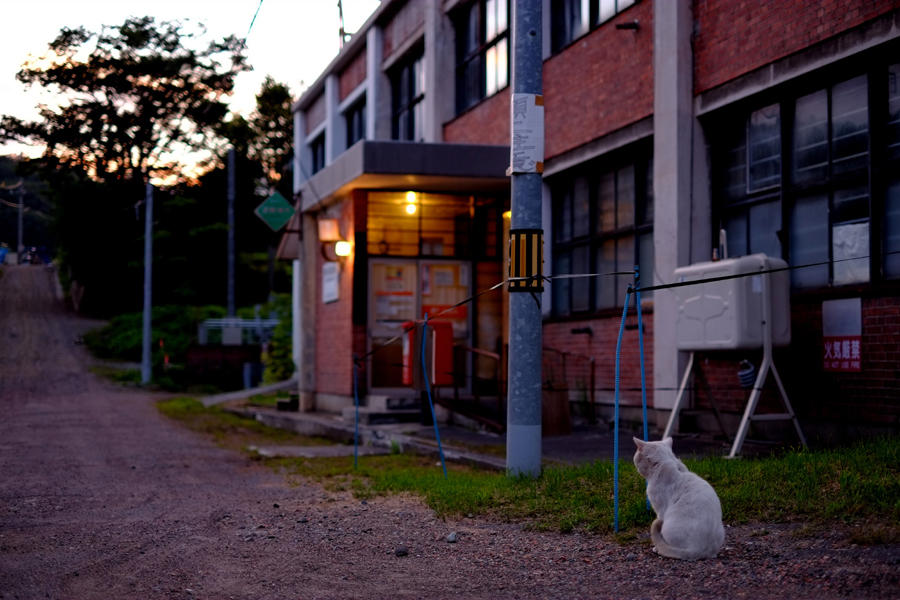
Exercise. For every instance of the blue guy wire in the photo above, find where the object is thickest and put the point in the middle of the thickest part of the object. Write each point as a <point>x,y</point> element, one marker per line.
<point>430,402</point>
<point>637,291</point>
<point>616,419</point>
<point>356,400</point>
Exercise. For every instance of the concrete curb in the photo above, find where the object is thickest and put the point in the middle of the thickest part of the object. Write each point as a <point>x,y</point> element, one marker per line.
<point>244,394</point>
<point>383,436</point>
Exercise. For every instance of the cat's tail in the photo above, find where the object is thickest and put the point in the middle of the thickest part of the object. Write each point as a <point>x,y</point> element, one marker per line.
<point>664,549</point>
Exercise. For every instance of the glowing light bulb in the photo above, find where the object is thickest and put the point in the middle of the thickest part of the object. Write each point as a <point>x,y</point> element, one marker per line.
<point>410,197</point>
<point>342,248</point>
<point>411,209</point>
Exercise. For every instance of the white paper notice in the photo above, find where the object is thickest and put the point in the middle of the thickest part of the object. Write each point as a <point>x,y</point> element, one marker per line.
<point>331,282</point>
<point>527,149</point>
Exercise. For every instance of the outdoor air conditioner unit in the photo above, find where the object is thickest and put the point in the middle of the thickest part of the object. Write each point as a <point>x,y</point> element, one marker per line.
<point>728,314</point>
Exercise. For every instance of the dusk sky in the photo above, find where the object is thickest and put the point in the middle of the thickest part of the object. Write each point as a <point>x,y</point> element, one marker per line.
<point>292,40</point>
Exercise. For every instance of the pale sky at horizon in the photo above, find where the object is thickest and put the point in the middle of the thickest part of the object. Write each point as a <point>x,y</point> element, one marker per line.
<point>291,40</point>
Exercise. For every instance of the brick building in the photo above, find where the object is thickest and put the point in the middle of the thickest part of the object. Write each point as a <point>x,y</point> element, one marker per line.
<point>666,123</point>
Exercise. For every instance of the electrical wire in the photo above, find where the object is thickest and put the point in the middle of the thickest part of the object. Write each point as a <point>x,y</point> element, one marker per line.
<point>253,21</point>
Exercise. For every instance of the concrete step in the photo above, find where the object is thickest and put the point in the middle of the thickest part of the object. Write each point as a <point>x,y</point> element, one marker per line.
<point>378,416</point>
<point>385,403</point>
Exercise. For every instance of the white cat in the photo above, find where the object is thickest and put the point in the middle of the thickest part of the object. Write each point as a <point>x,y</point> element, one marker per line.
<point>688,521</point>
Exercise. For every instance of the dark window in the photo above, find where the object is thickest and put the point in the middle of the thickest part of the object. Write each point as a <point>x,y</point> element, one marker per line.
<point>749,177</point>
<point>482,51</point>
<point>893,124</point>
<point>356,122</point>
<point>831,154</point>
<point>408,87</point>
<point>891,230</point>
<point>603,217</point>
<point>805,187</point>
<point>317,147</point>
<point>570,19</point>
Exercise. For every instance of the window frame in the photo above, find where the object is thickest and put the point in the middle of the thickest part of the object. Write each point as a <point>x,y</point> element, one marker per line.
<point>356,111</point>
<point>560,35</point>
<point>317,153</point>
<point>406,107</point>
<point>876,175</point>
<point>640,157</point>
<point>465,57</point>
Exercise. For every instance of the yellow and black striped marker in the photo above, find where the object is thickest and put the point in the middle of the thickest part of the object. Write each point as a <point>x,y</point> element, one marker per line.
<point>526,260</point>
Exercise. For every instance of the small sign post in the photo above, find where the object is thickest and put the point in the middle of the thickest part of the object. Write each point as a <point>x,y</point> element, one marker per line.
<point>275,211</point>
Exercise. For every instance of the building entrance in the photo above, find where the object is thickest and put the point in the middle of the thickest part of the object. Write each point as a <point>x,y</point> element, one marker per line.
<point>404,290</point>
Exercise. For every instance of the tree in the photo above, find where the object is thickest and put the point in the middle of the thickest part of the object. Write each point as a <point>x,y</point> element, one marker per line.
<point>272,125</point>
<point>138,97</point>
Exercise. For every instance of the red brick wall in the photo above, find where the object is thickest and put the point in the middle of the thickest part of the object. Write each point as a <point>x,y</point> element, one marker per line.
<point>720,370</point>
<point>602,346</point>
<point>735,37</point>
<point>870,397</point>
<point>485,123</point>
<point>334,323</point>
<point>315,114</point>
<point>402,25</point>
<point>600,83</point>
<point>352,75</point>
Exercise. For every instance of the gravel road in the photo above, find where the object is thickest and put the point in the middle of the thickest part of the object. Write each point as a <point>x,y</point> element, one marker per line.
<point>101,497</point>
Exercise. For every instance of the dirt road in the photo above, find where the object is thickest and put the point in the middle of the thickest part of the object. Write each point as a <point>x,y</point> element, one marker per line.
<point>101,497</point>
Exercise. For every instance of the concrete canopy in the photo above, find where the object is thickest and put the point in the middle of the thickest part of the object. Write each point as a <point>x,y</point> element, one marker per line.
<point>393,165</point>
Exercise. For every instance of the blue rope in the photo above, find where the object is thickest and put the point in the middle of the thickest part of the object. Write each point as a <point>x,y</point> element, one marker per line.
<point>637,289</point>
<point>430,403</point>
<point>356,400</point>
<point>616,435</point>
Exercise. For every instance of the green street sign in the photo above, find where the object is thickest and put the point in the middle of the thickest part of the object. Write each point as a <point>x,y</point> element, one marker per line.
<point>275,211</point>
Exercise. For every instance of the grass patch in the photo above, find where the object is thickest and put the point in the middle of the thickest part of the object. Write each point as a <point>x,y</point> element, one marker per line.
<point>231,430</point>
<point>267,400</point>
<point>132,376</point>
<point>841,484</point>
<point>858,486</point>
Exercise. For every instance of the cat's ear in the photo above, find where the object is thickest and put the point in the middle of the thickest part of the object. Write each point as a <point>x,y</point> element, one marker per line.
<point>638,443</point>
<point>668,441</point>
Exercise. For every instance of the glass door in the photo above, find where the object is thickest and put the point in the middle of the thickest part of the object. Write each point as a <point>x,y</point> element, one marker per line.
<point>403,290</point>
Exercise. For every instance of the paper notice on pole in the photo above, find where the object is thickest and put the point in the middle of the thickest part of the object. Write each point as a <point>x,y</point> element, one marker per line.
<point>527,147</point>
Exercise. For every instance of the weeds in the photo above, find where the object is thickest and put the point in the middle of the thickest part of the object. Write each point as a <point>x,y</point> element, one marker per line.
<point>857,485</point>
<point>127,376</point>
<point>229,429</point>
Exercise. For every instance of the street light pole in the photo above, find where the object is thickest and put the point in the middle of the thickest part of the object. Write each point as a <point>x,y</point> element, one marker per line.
<point>523,421</point>
<point>231,194</point>
<point>148,285</point>
<point>21,246</point>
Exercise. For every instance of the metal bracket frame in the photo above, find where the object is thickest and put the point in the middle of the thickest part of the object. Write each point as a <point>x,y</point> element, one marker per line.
<point>767,365</point>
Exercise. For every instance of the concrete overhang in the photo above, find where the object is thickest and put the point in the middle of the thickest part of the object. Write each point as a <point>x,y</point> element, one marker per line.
<point>391,165</point>
<point>388,165</point>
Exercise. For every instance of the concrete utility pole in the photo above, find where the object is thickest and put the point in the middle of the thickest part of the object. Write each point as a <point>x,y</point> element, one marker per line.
<point>231,194</point>
<point>523,430</point>
<point>148,285</point>
<point>21,245</point>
